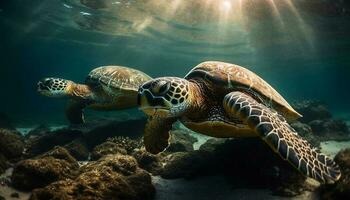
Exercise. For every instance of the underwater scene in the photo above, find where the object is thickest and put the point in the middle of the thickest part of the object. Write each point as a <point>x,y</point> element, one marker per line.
<point>174,99</point>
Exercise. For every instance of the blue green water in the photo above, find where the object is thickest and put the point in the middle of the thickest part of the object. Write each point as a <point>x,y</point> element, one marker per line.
<point>303,49</point>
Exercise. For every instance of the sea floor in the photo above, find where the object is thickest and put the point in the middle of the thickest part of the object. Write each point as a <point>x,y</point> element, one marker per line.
<point>210,187</point>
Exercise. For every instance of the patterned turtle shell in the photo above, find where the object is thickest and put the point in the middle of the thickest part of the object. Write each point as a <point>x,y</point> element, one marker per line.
<point>229,77</point>
<point>117,78</point>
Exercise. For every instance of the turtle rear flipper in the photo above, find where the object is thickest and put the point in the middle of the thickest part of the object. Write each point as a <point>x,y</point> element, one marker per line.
<point>282,138</point>
<point>156,134</point>
<point>75,111</point>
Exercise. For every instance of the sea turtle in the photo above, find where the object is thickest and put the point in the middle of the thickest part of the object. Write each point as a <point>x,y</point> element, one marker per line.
<point>105,88</point>
<point>226,100</point>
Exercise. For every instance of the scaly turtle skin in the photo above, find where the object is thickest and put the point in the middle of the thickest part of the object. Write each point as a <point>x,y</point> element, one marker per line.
<point>105,88</point>
<point>225,100</point>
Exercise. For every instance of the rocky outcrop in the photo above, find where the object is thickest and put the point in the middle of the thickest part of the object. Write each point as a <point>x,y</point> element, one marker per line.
<point>39,145</point>
<point>38,131</point>
<point>11,144</point>
<point>149,162</point>
<point>312,110</point>
<point>3,163</point>
<point>341,189</point>
<point>334,129</point>
<point>77,148</point>
<point>241,161</point>
<point>107,148</point>
<point>180,141</point>
<point>52,166</point>
<point>112,177</point>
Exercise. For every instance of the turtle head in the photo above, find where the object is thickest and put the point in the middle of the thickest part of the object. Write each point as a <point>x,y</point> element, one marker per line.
<point>164,97</point>
<point>54,87</point>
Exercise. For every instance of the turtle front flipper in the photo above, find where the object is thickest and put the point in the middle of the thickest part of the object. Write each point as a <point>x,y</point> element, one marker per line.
<point>156,135</point>
<point>74,111</point>
<point>281,137</point>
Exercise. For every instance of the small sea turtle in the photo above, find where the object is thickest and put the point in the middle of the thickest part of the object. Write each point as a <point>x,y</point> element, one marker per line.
<point>225,100</point>
<point>105,88</point>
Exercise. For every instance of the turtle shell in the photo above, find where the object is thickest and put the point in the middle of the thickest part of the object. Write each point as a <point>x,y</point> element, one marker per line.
<point>229,77</point>
<point>114,79</point>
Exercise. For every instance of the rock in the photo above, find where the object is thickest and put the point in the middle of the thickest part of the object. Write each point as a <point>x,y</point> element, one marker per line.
<point>312,110</point>
<point>11,144</point>
<point>149,162</point>
<point>305,131</point>
<point>3,164</point>
<point>96,135</point>
<point>341,189</point>
<point>112,177</point>
<point>15,195</point>
<point>186,165</point>
<point>78,150</point>
<point>211,144</point>
<point>46,142</point>
<point>52,166</point>
<point>38,131</point>
<point>107,148</point>
<point>5,122</point>
<point>127,143</point>
<point>181,141</point>
<point>330,129</point>
<point>241,161</point>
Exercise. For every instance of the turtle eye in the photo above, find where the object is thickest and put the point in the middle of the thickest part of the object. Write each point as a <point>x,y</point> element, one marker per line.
<point>164,88</point>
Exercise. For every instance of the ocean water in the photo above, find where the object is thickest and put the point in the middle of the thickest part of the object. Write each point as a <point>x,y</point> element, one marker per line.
<point>300,47</point>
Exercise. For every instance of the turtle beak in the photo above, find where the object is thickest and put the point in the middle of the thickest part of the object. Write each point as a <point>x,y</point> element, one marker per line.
<point>41,86</point>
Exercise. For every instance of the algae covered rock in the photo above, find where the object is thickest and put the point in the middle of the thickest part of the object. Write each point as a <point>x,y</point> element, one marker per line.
<point>106,148</point>
<point>149,162</point>
<point>52,166</point>
<point>11,144</point>
<point>115,177</point>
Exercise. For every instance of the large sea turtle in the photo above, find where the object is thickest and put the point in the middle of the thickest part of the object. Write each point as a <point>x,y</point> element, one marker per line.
<point>225,100</point>
<point>105,88</point>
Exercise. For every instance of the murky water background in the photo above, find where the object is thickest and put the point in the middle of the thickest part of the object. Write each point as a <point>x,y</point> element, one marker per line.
<point>301,47</point>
